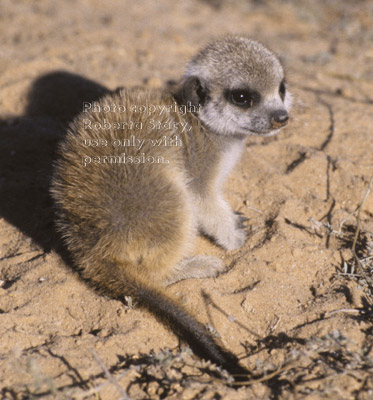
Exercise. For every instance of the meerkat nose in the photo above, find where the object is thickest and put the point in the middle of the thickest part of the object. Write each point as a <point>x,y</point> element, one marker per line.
<point>279,118</point>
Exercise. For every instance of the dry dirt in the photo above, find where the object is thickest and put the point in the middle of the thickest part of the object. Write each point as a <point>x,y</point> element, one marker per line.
<point>296,305</point>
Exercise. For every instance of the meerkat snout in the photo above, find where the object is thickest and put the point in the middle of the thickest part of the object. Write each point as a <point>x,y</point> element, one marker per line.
<point>279,118</point>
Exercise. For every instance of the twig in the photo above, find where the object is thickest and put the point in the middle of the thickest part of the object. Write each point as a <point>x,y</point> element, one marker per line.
<point>278,371</point>
<point>345,310</point>
<point>340,233</point>
<point>358,226</point>
<point>96,389</point>
<point>110,376</point>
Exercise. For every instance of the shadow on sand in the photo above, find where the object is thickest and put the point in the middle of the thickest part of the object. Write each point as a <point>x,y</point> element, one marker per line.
<point>27,148</point>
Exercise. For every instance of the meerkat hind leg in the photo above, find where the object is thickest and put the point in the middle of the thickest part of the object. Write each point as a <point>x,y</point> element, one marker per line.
<point>199,266</point>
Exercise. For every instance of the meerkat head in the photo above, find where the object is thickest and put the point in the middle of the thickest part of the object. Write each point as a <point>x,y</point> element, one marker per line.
<point>240,86</point>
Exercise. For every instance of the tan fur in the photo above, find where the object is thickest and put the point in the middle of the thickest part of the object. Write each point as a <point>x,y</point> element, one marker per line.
<point>131,227</point>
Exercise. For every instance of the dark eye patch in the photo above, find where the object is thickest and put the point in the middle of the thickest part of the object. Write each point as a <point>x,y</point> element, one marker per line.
<point>244,98</point>
<point>282,90</point>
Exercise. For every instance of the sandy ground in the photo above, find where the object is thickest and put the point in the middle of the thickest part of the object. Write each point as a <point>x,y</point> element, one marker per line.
<point>295,306</point>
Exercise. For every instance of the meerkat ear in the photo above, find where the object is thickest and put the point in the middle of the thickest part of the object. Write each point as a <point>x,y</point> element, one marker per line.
<point>194,91</point>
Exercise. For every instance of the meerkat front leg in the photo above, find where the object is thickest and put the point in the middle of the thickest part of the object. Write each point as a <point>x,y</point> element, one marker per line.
<point>215,216</point>
<point>217,220</point>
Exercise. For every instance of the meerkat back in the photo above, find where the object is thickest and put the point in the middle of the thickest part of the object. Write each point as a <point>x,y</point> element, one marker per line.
<point>119,196</point>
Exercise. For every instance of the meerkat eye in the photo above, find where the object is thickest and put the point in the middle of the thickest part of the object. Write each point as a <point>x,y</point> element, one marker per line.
<point>282,90</point>
<point>242,98</point>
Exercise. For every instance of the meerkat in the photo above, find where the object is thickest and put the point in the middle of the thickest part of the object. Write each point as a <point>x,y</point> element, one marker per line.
<point>129,214</point>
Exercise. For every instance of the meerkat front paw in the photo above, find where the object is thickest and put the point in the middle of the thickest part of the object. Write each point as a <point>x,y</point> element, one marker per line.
<point>234,239</point>
<point>224,226</point>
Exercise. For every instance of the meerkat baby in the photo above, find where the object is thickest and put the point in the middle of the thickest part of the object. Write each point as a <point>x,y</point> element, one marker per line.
<point>132,189</point>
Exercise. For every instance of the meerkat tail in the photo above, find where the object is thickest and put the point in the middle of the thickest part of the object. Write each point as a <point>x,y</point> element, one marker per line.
<point>188,328</point>
<point>170,313</point>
